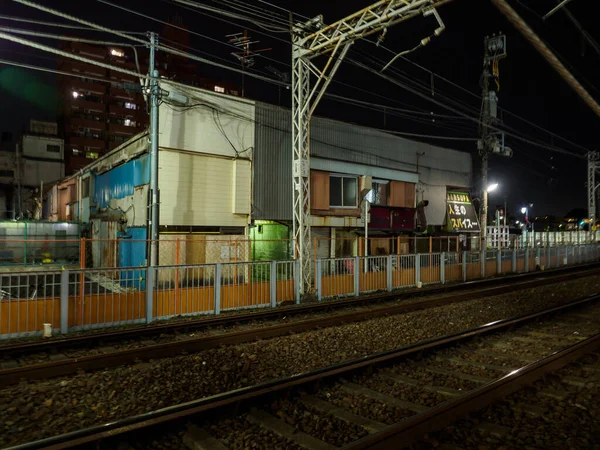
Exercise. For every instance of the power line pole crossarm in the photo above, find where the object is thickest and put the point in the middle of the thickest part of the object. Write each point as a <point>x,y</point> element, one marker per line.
<point>311,39</point>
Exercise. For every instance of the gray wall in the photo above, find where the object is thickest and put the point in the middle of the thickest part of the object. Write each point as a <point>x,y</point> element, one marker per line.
<point>438,167</point>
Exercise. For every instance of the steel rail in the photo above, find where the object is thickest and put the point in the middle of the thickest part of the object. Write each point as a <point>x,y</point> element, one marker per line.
<point>411,430</point>
<point>242,397</point>
<point>102,338</point>
<point>69,366</point>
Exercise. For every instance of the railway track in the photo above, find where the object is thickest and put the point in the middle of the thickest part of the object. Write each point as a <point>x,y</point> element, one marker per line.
<point>46,359</point>
<point>386,400</point>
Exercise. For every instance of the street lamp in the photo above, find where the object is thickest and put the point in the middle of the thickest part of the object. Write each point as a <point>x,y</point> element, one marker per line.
<point>484,214</point>
<point>523,210</point>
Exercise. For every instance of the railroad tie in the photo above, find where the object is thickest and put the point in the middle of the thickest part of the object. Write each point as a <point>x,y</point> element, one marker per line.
<point>497,431</point>
<point>466,362</point>
<point>451,392</point>
<point>286,431</point>
<point>372,426</point>
<point>198,438</point>
<point>539,334</point>
<point>459,375</point>
<point>383,398</point>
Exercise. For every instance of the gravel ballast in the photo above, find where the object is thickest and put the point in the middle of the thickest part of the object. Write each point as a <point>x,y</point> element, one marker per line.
<point>31,411</point>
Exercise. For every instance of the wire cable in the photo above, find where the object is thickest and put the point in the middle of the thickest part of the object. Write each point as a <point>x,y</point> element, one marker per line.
<point>450,108</point>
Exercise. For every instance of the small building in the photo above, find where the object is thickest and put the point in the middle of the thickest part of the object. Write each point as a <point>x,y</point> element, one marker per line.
<point>225,178</point>
<point>36,159</point>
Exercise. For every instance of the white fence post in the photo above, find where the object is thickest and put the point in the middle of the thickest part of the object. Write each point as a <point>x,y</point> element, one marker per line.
<point>64,302</point>
<point>514,260</point>
<point>498,262</point>
<point>417,269</point>
<point>389,273</point>
<point>150,274</point>
<point>356,276</point>
<point>319,280</point>
<point>273,284</point>
<point>464,266</point>
<point>297,281</point>
<point>482,262</point>
<point>443,267</point>
<point>218,288</point>
<point>527,259</point>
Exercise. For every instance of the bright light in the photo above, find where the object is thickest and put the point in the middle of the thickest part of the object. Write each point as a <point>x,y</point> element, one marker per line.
<point>492,187</point>
<point>220,89</point>
<point>75,94</point>
<point>523,210</point>
<point>117,53</point>
<point>517,222</point>
<point>127,122</point>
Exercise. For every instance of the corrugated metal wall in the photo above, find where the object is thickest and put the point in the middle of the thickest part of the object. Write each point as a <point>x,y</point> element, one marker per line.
<point>121,181</point>
<point>438,167</point>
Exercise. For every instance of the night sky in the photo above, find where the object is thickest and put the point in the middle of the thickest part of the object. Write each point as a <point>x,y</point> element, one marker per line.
<point>530,88</point>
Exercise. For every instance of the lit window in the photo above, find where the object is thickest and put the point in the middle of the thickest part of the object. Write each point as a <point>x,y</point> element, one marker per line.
<point>220,89</point>
<point>53,148</point>
<point>75,94</point>
<point>130,105</point>
<point>343,191</point>
<point>77,152</point>
<point>129,123</point>
<point>91,155</point>
<point>117,53</point>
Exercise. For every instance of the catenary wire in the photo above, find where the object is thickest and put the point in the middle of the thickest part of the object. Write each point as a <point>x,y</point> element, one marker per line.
<point>459,104</point>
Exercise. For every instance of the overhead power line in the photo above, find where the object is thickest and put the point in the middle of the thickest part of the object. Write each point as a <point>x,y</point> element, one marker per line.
<point>455,110</point>
<point>144,42</point>
<point>55,24</point>
<point>430,72</point>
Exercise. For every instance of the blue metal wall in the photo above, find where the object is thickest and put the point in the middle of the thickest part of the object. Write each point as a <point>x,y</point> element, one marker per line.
<point>132,253</point>
<point>121,181</point>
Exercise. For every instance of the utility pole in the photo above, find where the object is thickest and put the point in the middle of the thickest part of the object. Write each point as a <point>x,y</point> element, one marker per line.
<point>494,50</point>
<point>154,103</point>
<point>312,39</point>
<point>593,167</point>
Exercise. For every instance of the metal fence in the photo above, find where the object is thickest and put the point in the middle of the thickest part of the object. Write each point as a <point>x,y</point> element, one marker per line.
<point>80,299</point>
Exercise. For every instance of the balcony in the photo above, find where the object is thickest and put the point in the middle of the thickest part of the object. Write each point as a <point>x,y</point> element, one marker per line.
<point>121,111</point>
<point>82,69</point>
<point>88,51</point>
<point>122,94</point>
<point>78,85</point>
<point>77,122</point>
<point>86,105</point>
<point>84,143</point>
<point>115,128</point>
<point>120,76</point>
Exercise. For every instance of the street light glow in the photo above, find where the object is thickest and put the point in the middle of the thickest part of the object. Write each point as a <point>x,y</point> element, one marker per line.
<point>492,187</point>
<point>523,210</point>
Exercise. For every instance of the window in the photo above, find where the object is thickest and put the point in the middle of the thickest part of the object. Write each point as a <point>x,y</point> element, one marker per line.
<point>91,155</point>
<point>53,148</point>
<point>117,53</point>
<point>220,89</point>
<point>7,173</point>
<point>76,152</point>
<point>129,123</point>
<point>343,191</point>
<point>379,193</point>
<point>130,105</point>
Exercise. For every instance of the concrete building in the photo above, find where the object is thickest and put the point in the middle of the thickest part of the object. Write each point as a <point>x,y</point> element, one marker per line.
<point>96,116</point>
<point>225,170</point>
<point>36,159</point>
